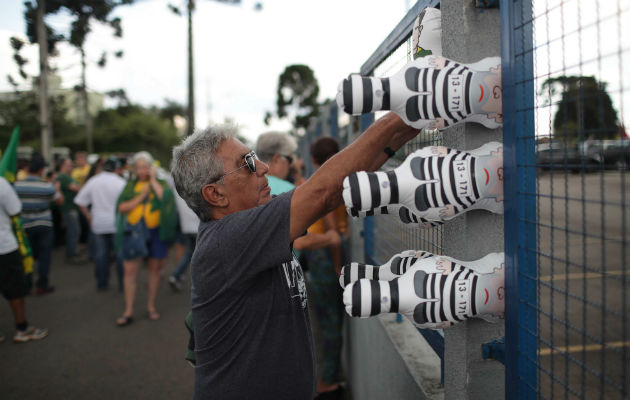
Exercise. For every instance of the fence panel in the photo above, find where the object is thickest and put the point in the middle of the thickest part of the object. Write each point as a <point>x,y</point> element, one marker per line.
<point>565,102</point>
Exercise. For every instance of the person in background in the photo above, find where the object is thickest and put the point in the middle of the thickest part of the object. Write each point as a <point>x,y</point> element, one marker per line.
<point>79,174</point>
<point>95,168</point>
<point>144,228</point>
<point>36,196</point>
<point>185,242</point>
<point>22,168</point>
<point>81,167</point>
<point>97,202</point>
<point>324,269</point>
<point>276,149</point>
<point>69,188</point>
<point>13,285</point>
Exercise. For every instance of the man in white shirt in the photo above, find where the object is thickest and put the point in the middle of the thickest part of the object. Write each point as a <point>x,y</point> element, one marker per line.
<point>101,193</point>
<point>12,280</point>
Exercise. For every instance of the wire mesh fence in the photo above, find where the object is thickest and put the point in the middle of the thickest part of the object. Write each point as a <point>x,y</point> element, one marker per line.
<point>392,238</point>
<point>581,198</point>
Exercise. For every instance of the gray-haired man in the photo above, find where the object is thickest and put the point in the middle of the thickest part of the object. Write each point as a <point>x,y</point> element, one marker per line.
<point>252,330</point>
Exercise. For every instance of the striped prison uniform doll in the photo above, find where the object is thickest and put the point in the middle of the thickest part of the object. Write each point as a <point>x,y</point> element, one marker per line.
<point>430,92</point>
<point>433,292</point>
<point>434,183</point>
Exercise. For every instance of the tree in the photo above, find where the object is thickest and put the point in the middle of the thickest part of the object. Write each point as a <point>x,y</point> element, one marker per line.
<point>22,109</point>
<point>131,128</point>
<point>84,13</point>
<point>585,110</point>
<point>297,95</point>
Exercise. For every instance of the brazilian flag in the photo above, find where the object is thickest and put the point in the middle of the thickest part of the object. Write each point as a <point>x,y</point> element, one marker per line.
<point>8,169</point>
<point>8,163</point>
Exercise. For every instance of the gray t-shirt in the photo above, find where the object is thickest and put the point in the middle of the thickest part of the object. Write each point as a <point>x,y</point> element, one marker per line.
<point>253,336</point>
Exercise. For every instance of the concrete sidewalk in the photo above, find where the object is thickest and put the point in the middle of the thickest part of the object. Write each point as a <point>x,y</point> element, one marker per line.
<point>86,355</point>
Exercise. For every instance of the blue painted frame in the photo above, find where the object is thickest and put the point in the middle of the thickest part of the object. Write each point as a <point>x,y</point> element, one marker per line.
<point>521,328</point>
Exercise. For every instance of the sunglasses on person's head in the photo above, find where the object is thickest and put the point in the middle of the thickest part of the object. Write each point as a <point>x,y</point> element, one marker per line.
<point>250,162</point>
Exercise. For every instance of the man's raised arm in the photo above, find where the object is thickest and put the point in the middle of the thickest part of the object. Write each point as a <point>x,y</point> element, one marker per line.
<point>322,192</point>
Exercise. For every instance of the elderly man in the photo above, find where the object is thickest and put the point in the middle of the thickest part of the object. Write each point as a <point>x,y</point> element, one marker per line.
<point>252,330</point>
<point>276,149</point>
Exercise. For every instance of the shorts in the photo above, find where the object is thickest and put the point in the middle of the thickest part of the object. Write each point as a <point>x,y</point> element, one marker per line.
<point>140,242</point>
<point>12,278</point>
<point>157,248</point>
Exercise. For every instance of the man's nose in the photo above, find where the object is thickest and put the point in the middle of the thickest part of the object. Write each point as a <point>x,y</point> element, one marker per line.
<point>261,168</point>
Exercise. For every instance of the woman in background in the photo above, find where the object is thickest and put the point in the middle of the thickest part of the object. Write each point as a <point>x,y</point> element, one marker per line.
<point>145,227</point>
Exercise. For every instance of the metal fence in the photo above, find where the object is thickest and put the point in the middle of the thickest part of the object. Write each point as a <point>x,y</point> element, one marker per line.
<point>567,193</point>
<point>567,219</point>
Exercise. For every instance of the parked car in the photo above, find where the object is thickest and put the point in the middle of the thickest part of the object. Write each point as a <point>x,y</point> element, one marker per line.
<point>557,156</point>
<point>617,155</point>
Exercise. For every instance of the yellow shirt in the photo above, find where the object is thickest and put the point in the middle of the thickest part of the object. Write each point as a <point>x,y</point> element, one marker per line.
<point>151,218</point>
<point>340,217</point>
<point>80,173</point>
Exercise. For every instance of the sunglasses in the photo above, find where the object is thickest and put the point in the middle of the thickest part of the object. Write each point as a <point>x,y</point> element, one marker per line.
<point>250,162</point>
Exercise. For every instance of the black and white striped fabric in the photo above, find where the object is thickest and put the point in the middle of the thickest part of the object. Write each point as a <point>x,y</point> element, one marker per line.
<point>433,183</point>
<point>396,266</point>
<point>425,91</point>
<point>400,214</point>
<point>434,293</point>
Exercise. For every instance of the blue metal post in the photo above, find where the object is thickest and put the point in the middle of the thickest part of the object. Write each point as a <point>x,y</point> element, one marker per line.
<point>521,379</point>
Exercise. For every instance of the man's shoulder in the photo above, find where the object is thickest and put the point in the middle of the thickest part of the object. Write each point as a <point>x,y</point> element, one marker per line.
<point>109,178</point>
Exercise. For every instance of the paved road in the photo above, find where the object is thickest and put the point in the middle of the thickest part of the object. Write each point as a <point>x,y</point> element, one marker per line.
<point>584,289</point>
<point>86,356</point>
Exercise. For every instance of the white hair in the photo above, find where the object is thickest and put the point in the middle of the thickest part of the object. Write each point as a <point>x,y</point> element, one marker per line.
<point>272,143</point>
<point>142,155</point>
<point>195,164</point>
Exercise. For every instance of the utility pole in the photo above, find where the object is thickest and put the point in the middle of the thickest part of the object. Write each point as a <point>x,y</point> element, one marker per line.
<point>89,127</point>
<point>191,79</point>
<point>44,117</point>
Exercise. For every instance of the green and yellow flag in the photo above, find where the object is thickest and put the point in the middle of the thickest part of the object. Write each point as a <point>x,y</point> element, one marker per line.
<point>8,163</point>
<point>8,169</point>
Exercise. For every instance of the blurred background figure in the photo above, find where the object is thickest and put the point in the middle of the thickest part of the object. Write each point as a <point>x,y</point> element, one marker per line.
<point>145,227</point>
<point>296,172</point>
<point>81,167</point>
<point>276,149</point>
<point>188,224</point>
<point>323,276</point>
<point>80,173</point>
<point>97,202</point>
<point>36,196</point>
<point>13,285</point>
<point>69,188</point>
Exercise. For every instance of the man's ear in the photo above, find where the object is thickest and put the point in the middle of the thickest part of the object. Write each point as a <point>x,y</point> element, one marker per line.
<point>214,194</point>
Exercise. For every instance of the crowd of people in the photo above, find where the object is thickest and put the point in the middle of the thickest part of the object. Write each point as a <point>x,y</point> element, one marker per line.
<point>113,210</point>
<point>246,221</point>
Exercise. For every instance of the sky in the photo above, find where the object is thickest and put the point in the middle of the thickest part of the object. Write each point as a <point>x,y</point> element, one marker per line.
<point>239,52</point>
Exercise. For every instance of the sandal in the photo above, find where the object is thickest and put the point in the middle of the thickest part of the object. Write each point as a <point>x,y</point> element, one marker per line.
<point>153,315</point>
<point>124,321</point>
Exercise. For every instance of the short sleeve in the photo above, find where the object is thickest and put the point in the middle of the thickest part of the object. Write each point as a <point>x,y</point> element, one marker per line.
<point>9,199</point>
<point>83,197</point>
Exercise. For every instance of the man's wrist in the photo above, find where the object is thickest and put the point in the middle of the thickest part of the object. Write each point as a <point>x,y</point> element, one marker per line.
<point>389,151</point>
